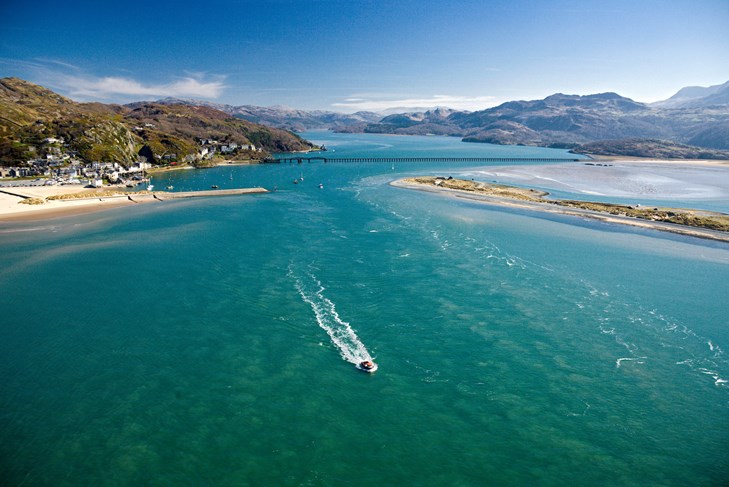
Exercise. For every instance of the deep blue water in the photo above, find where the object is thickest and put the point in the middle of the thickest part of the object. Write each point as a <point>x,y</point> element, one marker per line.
<point>209,341</point>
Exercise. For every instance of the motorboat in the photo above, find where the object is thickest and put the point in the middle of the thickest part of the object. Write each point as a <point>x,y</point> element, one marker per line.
<point>367,366</point>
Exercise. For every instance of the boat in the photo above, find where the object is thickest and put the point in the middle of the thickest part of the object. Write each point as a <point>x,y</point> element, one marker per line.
<point>214,186</point>
<point>367,366</point>
<point>321,185</point>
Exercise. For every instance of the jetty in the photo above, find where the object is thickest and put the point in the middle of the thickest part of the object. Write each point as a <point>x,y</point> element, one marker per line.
<point>168,195</point>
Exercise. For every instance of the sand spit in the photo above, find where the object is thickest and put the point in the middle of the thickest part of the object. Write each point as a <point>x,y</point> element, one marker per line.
<point>695,223</point>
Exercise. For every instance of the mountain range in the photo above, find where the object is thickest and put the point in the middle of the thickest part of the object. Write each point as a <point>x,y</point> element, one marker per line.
<point>692,123</point>
<point>697,97</point>
<point>283,117</point>
<point>693,118</point>
<point>31,115</point>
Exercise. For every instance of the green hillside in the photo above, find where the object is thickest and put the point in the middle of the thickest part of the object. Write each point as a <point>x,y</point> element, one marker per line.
<point>30,115</point>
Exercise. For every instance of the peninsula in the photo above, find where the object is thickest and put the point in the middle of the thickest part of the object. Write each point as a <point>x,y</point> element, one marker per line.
<point>695,223</point>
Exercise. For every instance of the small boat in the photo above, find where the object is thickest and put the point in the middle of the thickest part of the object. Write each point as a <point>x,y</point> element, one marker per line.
<point>367,366</point>
<point>150,187</point>
<point>321,185</point>
<point>170,187</point>
<point>214,186</point>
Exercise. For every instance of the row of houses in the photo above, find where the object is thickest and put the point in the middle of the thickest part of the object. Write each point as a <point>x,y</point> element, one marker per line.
<point>208,149</point>
<point>61,165</point>
<point>95,172</point>
<point>211,146</point>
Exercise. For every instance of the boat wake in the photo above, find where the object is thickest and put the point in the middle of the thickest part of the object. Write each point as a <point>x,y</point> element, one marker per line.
<point>340,332</point>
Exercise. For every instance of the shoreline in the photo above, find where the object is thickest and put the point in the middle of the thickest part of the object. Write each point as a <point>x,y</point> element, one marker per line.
<point>187,167</point>
<point>647,161</point>
<point>515,202</point>
<point>87,200</point>
<point>655,160</point>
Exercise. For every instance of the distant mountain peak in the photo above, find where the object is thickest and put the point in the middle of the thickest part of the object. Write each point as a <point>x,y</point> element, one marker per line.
<point>697,96</point>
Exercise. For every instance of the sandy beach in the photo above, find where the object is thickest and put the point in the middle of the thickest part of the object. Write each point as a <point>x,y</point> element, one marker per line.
<point>517,202</point>
<point>11,208</point>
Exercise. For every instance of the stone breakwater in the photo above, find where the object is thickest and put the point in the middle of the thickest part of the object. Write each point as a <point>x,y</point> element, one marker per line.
<point>166,195</point>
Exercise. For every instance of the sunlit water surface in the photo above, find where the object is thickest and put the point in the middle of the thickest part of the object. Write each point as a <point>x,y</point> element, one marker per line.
<point>213,341</point>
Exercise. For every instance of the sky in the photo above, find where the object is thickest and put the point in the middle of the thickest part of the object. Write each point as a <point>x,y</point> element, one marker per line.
<point>375,55</point>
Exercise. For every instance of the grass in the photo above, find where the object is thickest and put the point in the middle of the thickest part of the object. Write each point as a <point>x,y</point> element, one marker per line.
<point>32,201</point>
<point>99,193</point>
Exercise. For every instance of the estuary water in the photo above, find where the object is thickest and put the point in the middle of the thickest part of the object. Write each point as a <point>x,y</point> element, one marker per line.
<point>213,341</point>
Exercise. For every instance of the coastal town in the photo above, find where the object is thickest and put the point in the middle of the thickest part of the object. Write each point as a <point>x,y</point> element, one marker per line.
<point>58,164</point>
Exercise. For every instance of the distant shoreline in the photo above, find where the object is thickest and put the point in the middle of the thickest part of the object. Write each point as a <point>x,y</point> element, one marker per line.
<point>527,199</point>
<point>656,160</point>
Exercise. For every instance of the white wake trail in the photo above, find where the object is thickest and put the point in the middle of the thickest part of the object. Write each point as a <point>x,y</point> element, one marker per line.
<point>340,332</point>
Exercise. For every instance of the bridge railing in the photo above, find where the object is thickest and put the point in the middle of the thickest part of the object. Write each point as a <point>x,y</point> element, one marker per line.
<point>327,160</point>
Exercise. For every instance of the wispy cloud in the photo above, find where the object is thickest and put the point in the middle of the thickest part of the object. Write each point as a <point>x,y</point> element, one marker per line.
<point>380,104</point>
<point>43,61</point>
<point>75,82</point>
<point>109,87</point>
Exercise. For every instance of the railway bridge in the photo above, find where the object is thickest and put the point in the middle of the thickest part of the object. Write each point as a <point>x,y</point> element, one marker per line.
<point>398,160</point>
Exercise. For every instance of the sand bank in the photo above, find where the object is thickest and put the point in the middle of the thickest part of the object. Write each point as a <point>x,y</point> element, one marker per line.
<point>651,179</point>
<point>523,199</point>
<point>86,200</point>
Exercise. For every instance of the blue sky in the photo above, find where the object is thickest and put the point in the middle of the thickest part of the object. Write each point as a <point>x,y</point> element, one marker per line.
<point>364,55</point>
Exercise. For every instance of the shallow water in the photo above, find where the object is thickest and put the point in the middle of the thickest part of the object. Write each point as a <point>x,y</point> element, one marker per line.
<point>678,184</point>
<point>208,341</point>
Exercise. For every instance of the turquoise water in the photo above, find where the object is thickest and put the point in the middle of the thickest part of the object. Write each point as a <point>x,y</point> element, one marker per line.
<point>210,341</point>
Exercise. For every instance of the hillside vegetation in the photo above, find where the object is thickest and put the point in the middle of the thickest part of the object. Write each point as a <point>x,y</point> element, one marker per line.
<point>31,114</point>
